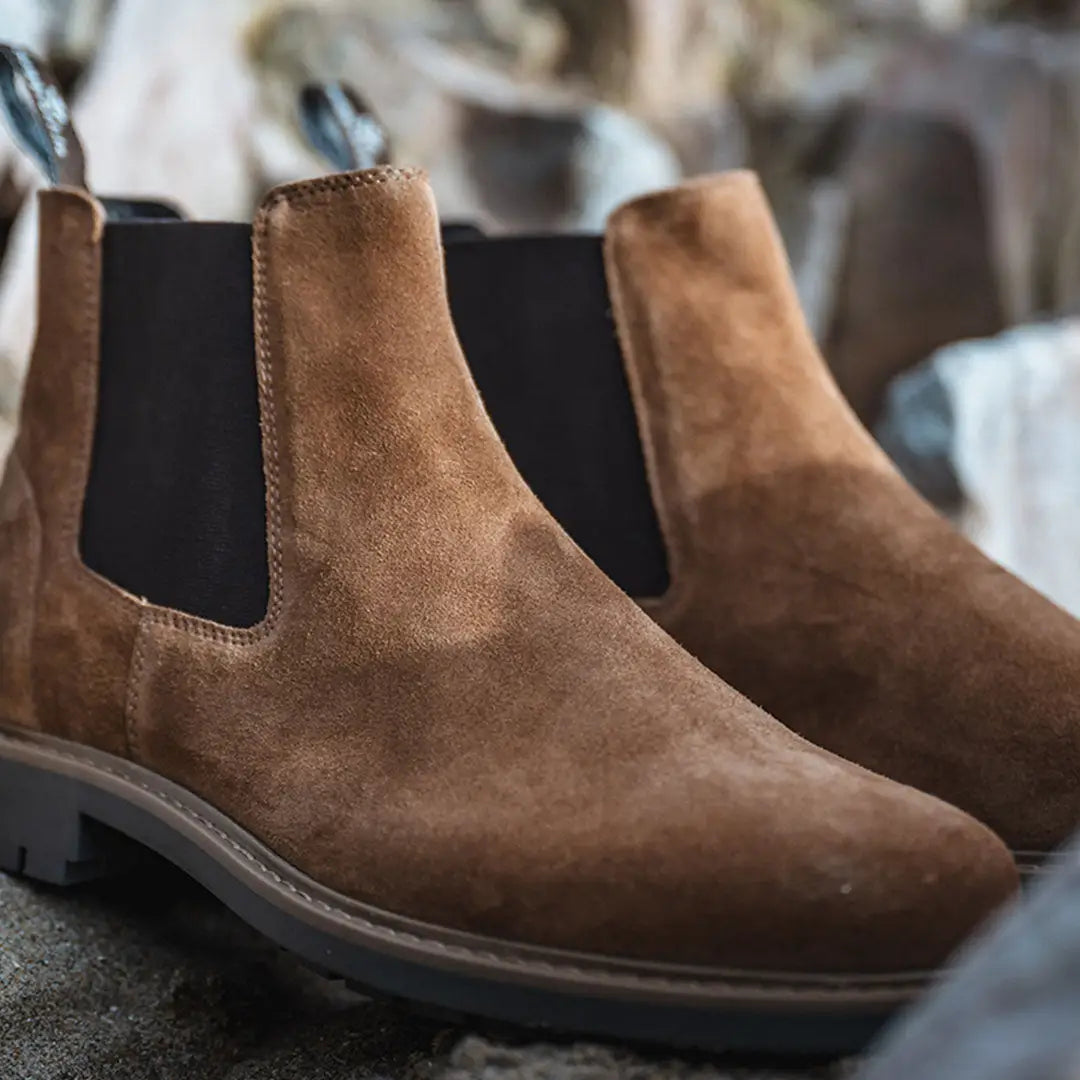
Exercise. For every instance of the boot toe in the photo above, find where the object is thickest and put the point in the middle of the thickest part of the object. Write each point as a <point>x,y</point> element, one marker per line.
<point>839,873</point>
<point>882,880</point>
<point>915,891</point>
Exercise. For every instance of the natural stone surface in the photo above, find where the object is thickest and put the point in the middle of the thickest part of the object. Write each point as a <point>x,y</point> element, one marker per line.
<point>477,1057</point>
<point>1010,1011</point>
<point>150,979</point>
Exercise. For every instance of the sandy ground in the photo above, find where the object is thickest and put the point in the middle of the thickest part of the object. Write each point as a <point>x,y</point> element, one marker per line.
<point>153,980</point>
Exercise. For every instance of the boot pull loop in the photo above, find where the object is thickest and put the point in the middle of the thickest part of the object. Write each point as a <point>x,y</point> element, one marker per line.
<point>341,127</point>
<point>39,116</point>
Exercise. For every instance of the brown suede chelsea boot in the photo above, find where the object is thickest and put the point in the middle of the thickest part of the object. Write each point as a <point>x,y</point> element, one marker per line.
<point>693,441</point>
<point>275,603</point>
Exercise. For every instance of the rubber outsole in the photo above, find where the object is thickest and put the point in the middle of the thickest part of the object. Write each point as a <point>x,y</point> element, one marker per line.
<point>69,814</point>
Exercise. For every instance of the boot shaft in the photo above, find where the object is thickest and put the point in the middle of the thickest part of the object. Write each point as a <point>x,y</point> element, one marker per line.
<point>668,359</point>
<point>155,471</point>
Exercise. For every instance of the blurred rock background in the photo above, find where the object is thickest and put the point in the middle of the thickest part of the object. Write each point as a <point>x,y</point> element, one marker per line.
<point>922,156</point>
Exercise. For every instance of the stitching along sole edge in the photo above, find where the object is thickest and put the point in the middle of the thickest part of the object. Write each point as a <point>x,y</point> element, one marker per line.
<point>56,796</point>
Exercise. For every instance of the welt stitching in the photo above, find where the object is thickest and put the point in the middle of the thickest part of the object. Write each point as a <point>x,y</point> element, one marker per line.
<point>885,983</point>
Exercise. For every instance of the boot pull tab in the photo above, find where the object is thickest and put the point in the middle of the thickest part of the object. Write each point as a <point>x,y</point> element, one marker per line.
<point>342,128</point>
<point>39,116</point>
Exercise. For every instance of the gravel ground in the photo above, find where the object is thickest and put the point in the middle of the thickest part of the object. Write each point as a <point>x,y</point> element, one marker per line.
<point>156,981</point>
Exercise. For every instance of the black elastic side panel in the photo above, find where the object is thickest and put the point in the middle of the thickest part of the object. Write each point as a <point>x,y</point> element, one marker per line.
<point>175,506</point>
<point>534,319</point>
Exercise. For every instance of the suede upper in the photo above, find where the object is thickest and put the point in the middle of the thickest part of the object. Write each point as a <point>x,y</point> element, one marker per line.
<point>448,712</point>
<point>804,570</point>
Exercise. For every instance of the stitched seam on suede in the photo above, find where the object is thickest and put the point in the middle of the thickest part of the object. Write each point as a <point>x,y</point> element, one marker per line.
<point>87,398</point>
<point>673,526</point>
<point>264,352</point>
<point>305,192</point>
<point>68,527</point>
<point>134,692</point>
<point>300,196</point>
<point>82,377</point>
<point>15,461</point>
<point>882,983</point>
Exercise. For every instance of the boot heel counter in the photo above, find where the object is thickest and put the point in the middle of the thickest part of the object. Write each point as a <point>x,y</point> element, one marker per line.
<point>20,563</point>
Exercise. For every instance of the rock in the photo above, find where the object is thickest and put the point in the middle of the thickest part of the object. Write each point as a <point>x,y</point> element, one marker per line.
<point>990,431</point>
<point>917,270</point>
<point>1010,1010</point>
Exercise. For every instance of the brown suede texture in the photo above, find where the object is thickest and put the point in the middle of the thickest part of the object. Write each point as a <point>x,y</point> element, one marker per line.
<point>804,570</point>
<point>450,713</point>
<point>78,636</point>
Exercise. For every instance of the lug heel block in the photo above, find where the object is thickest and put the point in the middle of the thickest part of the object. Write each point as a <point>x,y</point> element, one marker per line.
<point>45,836</point>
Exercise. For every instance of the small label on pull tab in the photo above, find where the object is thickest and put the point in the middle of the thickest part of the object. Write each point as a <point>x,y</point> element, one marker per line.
<point>39,117</point>
<point>340,127</point>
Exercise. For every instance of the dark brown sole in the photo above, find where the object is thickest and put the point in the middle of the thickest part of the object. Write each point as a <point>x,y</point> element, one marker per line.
<point>69,814</point>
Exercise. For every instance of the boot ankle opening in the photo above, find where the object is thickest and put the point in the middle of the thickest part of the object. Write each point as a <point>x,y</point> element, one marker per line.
<point>534,319</point>
<point>175,507</point>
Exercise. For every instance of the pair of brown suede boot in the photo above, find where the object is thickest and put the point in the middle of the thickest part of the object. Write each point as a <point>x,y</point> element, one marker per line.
<point>449,759</point>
